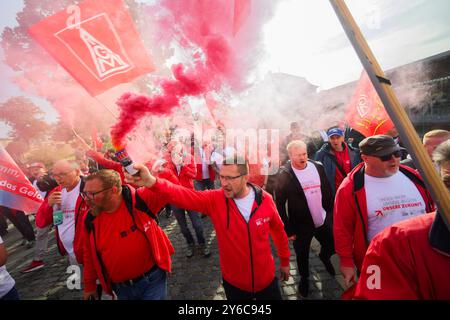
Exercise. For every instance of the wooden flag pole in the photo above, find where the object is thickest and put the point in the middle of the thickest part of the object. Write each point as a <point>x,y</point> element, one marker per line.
<point>398,115</point>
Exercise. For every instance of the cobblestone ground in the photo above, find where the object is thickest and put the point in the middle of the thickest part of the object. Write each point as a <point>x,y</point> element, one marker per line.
<point>196,278</point>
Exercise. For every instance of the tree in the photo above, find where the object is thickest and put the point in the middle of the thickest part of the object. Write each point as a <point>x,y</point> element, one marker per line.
<point>25,120</point>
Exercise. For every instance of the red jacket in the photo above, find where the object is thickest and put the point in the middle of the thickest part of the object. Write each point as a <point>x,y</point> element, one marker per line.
<point>199,175</point>
<point>187,174</point>
<point>245,254</point>
<point>161,247</point>
<point>107,164</point>
<point>44,217</point>
<point>409,267</point>
<point>351,225</point>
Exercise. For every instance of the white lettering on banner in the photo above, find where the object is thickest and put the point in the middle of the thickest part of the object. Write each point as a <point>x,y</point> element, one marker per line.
<point>374,280</point>
<point>74,280</point>
<point>8,186</point>
<point>9,171</point>
<point>33,193</point>
<point>107,62</point>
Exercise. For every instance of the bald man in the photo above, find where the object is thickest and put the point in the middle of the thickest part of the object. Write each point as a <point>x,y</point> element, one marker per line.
<point>65,197</point>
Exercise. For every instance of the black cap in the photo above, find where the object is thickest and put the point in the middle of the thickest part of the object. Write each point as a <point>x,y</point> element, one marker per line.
<point>379,145</point>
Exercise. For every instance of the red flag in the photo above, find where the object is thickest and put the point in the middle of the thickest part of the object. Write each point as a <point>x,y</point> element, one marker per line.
<point>241,13</point>
<point>366,112</point>
<point>16,191</point>
<point>96,42</point>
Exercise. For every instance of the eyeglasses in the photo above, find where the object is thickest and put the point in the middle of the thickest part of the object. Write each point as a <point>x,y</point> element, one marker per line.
<point>228,178</point>
<point>396,154</point>
<point>91,195</point>
<point>60,175</point>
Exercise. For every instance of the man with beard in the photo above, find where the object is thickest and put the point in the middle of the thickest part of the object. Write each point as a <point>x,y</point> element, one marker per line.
<point>124,248</point>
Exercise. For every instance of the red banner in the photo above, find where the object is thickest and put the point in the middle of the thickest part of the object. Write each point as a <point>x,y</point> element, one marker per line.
<point>16,191</point>
<point>96,42</point>
<point>366,112</point>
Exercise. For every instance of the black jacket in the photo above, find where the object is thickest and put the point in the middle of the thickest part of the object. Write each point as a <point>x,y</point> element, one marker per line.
<point>297,217</point>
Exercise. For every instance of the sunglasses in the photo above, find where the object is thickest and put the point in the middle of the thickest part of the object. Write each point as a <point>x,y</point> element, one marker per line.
<point>396,154</point>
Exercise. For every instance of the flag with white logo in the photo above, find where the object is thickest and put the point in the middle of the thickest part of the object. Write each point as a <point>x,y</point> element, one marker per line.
<point>96,42</point>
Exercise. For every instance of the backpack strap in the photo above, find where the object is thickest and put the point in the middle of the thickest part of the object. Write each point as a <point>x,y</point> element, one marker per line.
<point>139,203</point>
<point>341,170</point>
<point>142,206</point>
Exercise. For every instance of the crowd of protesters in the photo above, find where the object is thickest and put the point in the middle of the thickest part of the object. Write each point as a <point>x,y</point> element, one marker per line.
<point>363,200</point>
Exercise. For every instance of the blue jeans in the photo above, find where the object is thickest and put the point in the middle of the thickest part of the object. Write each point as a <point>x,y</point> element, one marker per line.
<point>150,287</point>
<point>11,295</point>
<point>205,184</point>
<point>196,223</point>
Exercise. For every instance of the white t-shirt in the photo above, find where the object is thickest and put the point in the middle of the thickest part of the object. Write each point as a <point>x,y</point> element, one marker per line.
<point>310,180</point>
<point>205,172</point>
<point>6,281</point>
<point>66,229</point>
<point>245,204</point>
<point>390,200</point>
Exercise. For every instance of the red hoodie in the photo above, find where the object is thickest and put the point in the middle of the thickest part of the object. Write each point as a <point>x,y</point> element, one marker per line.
<point>245,254</point>
<point>350,225</point>
<point>44,217</point>
<point>187,174</point>
<point>160,246</point>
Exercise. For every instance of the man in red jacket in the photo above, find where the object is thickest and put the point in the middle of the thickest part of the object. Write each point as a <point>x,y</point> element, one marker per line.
<point>376,194</point>
<point>182,170</point>
<point>411,259</point>
<point>243,216</point>
<point>124,248</point>
<point>72,209</point>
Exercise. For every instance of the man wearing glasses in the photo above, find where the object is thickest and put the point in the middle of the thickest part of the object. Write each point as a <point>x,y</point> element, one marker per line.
<point>125,249</point>
<point>243,216</point>
<point>65,197</point>
<point>376,194</point>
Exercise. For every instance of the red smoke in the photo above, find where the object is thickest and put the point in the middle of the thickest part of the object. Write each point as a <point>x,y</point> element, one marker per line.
<point>205,28</point>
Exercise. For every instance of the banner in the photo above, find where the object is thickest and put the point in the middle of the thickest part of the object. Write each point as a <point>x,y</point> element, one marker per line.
<point>16,191</point>
<point>366,112</point>
<point>96,42</point>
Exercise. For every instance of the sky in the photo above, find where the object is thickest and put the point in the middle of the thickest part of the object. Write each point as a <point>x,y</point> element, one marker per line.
<point>304,38</point>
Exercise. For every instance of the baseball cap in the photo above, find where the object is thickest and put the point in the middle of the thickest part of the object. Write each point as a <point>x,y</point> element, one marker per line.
<point>335,132</point>
<point>379,145</point>
<point>37,164</point>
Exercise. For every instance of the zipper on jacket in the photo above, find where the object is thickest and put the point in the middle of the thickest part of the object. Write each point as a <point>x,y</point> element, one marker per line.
<point>250,245</point>
<point>248,234</point>
<point>251,258</point>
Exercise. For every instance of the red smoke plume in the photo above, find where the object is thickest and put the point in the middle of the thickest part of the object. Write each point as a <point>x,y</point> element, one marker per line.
<point>205,28</point>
